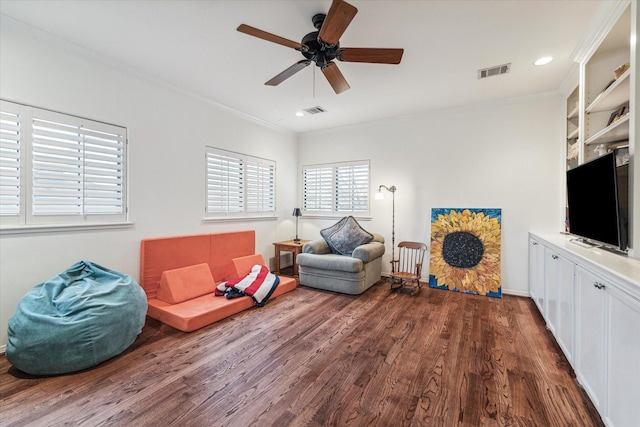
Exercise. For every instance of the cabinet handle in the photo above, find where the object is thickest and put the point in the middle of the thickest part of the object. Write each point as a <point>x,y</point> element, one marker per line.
<point>598,285</point>
<point>554,256</point>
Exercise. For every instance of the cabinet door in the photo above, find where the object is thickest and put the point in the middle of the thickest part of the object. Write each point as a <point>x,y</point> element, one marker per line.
<point>551,289</point>
<point>565,298</point>
<point>536,273</point>
<point>590,330</point>
<point>623,401</point>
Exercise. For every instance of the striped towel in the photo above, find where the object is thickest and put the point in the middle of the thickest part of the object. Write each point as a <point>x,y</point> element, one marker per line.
<point>259,284</point>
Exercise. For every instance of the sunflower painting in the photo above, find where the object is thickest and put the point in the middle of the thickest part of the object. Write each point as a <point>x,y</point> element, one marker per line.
<point>465,250</point>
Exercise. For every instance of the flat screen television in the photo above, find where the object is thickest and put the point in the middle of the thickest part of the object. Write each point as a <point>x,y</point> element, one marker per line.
<point>597,199</point>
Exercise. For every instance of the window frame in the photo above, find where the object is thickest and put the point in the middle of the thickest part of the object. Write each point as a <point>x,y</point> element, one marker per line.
<point>253,178</point>
<point>330,192</point>
<point>93,140</point>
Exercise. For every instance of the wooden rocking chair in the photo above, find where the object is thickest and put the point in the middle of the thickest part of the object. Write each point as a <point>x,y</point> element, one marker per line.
<point>407,268</point>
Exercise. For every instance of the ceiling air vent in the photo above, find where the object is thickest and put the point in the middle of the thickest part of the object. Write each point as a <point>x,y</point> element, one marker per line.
<point>315,110</point>
<point>494,71</point>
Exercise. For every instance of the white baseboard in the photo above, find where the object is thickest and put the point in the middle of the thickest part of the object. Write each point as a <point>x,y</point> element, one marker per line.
<point>516,293</point>
<point>504,291</point>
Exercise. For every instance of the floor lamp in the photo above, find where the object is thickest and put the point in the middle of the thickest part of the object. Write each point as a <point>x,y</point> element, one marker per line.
<point>380,196</point>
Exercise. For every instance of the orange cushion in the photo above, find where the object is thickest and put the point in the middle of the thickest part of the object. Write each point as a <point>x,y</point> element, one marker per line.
<point>185,283</point>
<point>243,265</point>
<point>207,309</point>
<point>216,249</point>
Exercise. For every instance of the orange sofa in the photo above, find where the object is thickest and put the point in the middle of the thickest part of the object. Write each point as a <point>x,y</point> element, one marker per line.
<point>183,297</point>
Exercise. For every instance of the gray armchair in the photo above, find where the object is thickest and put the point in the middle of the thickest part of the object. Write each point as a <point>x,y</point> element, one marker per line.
<point>349,274</point>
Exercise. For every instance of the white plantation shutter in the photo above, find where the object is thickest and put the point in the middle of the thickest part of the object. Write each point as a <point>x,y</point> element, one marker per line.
<point>225,183</point>
<point>73,170</point>
<point>260,186</point>
<point>336,189</point>
<point>10,163</point>
<point>352,188</point>
<point>103,171</point>
<point>317,189</point>
<point>238,185</point>
<point>57,169</point>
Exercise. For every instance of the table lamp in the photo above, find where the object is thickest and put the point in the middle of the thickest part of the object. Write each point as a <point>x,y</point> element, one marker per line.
<point>297,213</point>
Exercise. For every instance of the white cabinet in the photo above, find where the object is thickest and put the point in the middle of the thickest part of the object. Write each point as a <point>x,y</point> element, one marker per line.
<point>623,364</point>
<point>608,338</point>
<point>565,305</point>
<point>590,300</point>
<point>551,288</point>
<point>590,335</point>
<point>536,273</point>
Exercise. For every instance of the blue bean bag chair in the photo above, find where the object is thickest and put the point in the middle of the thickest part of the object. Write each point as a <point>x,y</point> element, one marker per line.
<point>84,316</point>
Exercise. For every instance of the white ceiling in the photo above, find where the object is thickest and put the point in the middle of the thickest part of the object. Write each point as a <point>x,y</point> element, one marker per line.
<point>194,46</point>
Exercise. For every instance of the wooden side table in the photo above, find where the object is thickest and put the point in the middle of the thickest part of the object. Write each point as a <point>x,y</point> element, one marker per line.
<point>288,246</point>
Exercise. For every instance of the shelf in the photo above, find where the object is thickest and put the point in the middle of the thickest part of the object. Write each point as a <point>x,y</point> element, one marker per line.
<point>615,95</point>
<point>616,131</point>
<point>573,114</point>
<point>573,134</point>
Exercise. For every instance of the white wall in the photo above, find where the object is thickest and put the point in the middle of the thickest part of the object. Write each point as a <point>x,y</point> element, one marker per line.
<point>500,155</point>
<point>168,131</point>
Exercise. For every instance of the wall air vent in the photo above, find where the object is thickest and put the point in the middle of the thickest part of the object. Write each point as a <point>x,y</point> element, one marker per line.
<point>494,71</point>
<point>315,110</point>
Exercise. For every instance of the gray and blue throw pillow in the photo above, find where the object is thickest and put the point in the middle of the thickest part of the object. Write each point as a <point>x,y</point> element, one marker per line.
<point>346,235</point>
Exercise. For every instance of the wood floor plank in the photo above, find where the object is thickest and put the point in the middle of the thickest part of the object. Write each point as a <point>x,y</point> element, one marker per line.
<point>316,358</point>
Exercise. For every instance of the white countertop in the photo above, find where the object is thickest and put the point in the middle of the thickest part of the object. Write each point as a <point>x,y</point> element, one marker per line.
<point>620,267</point>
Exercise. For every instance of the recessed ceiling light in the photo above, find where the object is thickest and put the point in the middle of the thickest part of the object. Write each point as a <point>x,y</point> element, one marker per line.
<point>299,114</point>
<point>544,60</point>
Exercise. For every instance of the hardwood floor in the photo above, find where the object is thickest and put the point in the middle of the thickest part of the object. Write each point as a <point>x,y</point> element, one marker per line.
<point>321,359</point>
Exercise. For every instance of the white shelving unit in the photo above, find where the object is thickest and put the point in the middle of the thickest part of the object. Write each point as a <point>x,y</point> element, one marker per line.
<point>573,128</point>
<point>615,132</point>
<point>605,95</point>
<point>600,112</point>
<point>614,96</point>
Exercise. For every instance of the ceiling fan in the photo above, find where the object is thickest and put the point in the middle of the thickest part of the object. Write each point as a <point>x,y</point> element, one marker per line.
<point>323,46</point>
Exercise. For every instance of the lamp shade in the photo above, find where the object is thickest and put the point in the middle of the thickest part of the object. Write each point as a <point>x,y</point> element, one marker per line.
<point>296,212</point>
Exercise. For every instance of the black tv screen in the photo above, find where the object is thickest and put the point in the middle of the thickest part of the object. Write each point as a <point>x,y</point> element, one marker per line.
<point>593,201</point>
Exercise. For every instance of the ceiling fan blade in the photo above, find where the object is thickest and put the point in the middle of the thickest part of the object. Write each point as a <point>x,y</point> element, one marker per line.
<point>255,32</point>
<point>288,72</point>
<point>370,55</point>
<point>338,19</point>
<point>335,78</point>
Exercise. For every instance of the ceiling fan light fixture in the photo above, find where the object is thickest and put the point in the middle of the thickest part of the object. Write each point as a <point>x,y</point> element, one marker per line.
<point>322,47</point>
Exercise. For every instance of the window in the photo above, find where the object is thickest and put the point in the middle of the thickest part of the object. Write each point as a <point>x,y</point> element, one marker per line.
<point>239,185</point>
<point>57,169</point>
<point>336,189</point>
